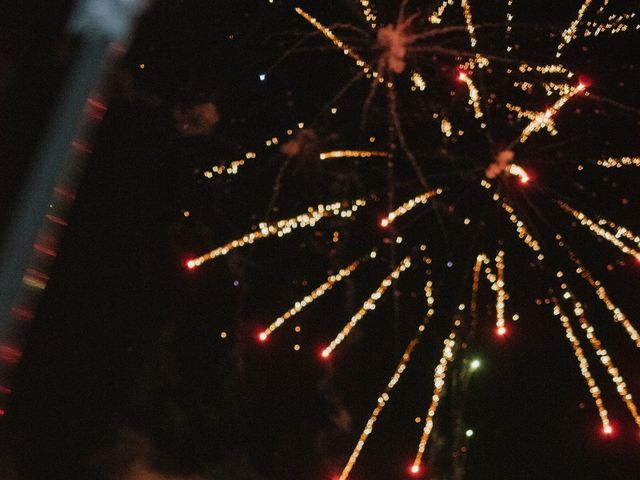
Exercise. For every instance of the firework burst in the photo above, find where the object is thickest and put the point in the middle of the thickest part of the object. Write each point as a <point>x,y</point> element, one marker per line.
<point>455,122</point>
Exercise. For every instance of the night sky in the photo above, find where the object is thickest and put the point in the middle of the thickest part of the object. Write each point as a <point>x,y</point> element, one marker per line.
<point>133,358</point>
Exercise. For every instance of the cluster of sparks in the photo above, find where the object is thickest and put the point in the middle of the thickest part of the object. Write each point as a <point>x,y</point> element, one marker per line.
<point>408,206</point>
<point>535,121</point>
<point>439,377</point>
<point>382,401</point>
<point>620,162</point>
<point>519,172</point>
<point>367,306</point>
<point>352,154</point>
<point>599,228</point>
<point>614,24</point>
<point>497,282</point>
<point>544,119</point>
<point>311,297</point>
<point>601,352</point>
<point>571,32</point>
<point>230,169</point>
<point>368,70</point>
<point>474,95</point>
<point>395,378</point>
<point>601,292</point>
<point>594,390</point>
<point>280,228</point>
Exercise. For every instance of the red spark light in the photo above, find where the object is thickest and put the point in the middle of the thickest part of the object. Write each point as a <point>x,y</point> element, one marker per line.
<point>415,470</point>
<point>608,431</point>
<point>325,354</point>
<point>584,82</point>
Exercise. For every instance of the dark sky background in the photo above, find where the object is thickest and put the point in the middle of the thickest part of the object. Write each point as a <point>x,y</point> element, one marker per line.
<point>125,354</point>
